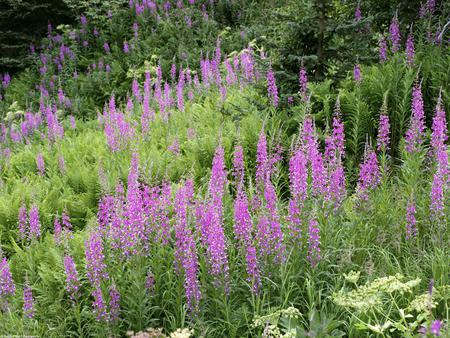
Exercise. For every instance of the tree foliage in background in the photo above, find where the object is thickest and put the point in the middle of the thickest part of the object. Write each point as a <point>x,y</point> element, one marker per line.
<point>23,22</point>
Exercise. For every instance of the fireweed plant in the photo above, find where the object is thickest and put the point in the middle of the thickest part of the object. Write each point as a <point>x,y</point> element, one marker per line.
<point>198,198</point>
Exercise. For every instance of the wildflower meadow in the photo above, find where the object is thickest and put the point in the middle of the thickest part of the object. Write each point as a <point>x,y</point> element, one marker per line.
<point>225,168</point>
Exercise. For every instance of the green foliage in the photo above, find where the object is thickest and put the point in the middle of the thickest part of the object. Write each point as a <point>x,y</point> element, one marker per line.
<point>385,306</point>
<point>297,300</point>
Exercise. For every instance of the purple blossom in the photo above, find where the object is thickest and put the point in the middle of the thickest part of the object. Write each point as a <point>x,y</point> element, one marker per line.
<point>174,147</point>
<point>35,225</point>
<point>7,287</point>
<point>40,164</point>
<point>437,196</point>
<point>253,268</point>
<point>99,304</point>
<point>114,304</point>
<point>215,237</point>
<point>61,164</point>
<point>410,50</point>
<point>66,223</point>
<point>28,308</point>
<point>298,177</point>
<point>173,71</point>
<point>57,232</point>
<point>411,228</point>
<point>147,112</point>
<point>334,153</point>
<point>117,130</point>
<point>83,20</point>
<point>415,134</point>
<point>422,14</point>
<point>358,15</point>
<point>318,173</point>
<point>435,327</point>
<point>314,157</point>
<point>394,35</point>
<point>357,73</point>
<point>6,80</point>
<point>272,88</point>
<point>238,167</point>
<point>313,243</point>
<point>23,222</point>
<point>243,224</point>
<point>431,6</point>
<point>338,137</point>
<point>188,21</point>
<point>231,77</point>
<point>133,232</point>
<point>383,133</point>
<point>269,235</point>
<point>262,159</point>
<point>126,47</point>
<point>150,281</point>
<point>95,259</point>
<point>180,91</point>
<point>130,105</point>
<point>248,64</point>
<point>382,50</point>
<point>303,82</point>
<point>439,150</point>
<point>337,182</point>
<point>136,29</point>
<point>185,249</point>
<point>72,122</point>
<point>369,173</point>
<point>136,91</point>
<point>106,47</point>
<point>72,280</point>
<point>439,133</point>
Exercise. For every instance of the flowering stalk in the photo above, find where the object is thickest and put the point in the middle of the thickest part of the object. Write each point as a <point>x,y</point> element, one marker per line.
<point>439,149</point>
<point>358,15</point>
<point>369,173</point>
<point>95,260</point>
<point>35,225</point>
<point>114,304</point>
<point>99,304</point>
<point>415,134</point>
<point>383,138</point>
<point>28,308</point>
<point>185,249</point>
<point>72,280</point>
<point>394,34</point>
<point>269,235</point>
<point>23,222</point>
<point>303,82</point>
<point>411,228</point>
<point>215,237</point>
<point>298,177</point>
<point>243,225</point>
<point>334,154</point>
<point>313,243</point>
<point>410,50</point>
<point>40,164</point>
<point>57,231</point>
<point>357,73</point>
<point>272,88</point>
<point>7,287</point>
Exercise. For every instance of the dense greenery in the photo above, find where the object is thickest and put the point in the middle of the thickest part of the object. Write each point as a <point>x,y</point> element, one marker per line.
<point>120,151</point>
